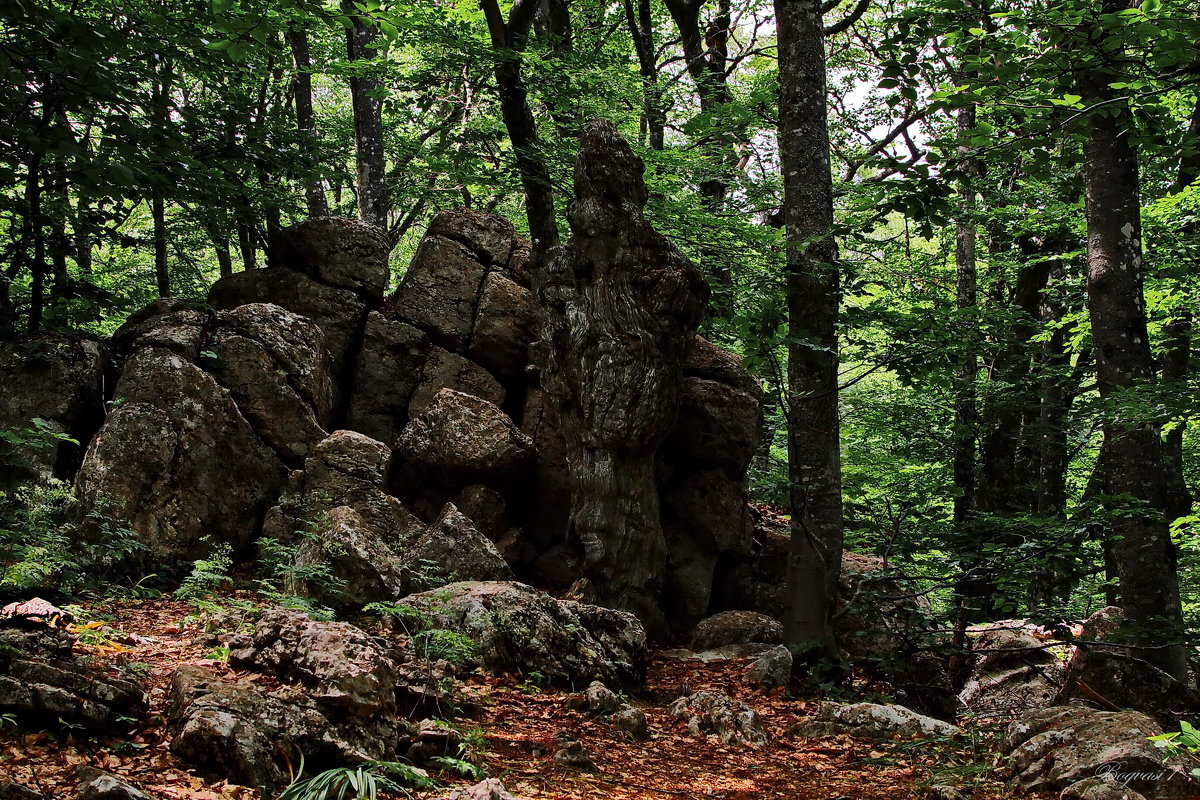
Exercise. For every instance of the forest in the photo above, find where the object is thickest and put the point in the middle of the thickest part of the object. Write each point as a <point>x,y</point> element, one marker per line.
<point>397,395</point>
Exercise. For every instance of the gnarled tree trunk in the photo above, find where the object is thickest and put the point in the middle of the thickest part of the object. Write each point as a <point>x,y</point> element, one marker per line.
<point>621,307</point>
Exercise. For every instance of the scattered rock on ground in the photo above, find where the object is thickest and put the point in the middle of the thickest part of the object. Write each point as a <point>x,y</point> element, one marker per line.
<point>575,756</point>
<point>491,789</point>
<point>731,721</point>
<point>518,628</point>
<point>772,669</point>
<point>45,684</point>
<point>1051,749</point>
<point>243,733</point>
<point>871,721</point>
<point>98,785</point>
<point>736,627</point>
<point>17,791</point>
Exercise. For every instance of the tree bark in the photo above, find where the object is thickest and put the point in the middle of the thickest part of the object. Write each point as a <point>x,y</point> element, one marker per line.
<point>373,201</point>
<point>306,120</point>
<point>621,307</point>
<point>813,298</point>
<point>641,30</point>
<point>1145,556</point>
<point>706,54</point>
<point>1178,332</point>
<point>508,40</point>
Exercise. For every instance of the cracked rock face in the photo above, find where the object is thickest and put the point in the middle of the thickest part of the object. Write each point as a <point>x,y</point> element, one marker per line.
<point>1061,747</point>
<point>177,462</point>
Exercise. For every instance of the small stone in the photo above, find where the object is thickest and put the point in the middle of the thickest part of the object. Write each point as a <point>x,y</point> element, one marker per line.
<point>633,721</point>
<point>574,756</point>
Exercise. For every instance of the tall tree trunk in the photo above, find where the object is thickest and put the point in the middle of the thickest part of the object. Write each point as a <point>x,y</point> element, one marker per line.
<point>373,201</point>
<point>641,29</point>
<point>1144,553</point>
<point>1178,332</point>
<point>706,54</point>
<point>37,266</point>
<point>966,418</point>
<point>813,297</point>
<point>306,120</point>
<point>162,119</point>
<point>508,40</point>
<point>621,307</point>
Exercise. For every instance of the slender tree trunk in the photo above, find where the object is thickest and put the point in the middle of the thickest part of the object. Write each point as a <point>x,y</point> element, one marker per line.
<point>373,201</point>
<point>37,266</point>
<point>966,419</point>
<point>162,120</point>
<point>508,40</point>
<point>306,120</point>
<point>814,297</point>
<point>641,29</point>
<point>706,54</point>
<point>1144,554</point>
<point>1178,332</point>
<point>247,238</point>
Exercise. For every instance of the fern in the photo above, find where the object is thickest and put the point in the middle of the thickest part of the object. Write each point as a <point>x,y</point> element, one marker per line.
<point>361,782</point>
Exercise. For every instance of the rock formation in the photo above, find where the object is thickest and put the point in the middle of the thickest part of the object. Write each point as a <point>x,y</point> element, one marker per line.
<point>621,307</point>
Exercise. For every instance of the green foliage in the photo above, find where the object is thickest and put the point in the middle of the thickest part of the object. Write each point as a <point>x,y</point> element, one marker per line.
<point>209,575</point>
<point>361,782</point>
<point>429,640</point>
<point>44,542</point>
<point>1183,743</point>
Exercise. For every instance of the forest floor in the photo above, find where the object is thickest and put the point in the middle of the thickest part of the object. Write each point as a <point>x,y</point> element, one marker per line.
<point>519,727</point>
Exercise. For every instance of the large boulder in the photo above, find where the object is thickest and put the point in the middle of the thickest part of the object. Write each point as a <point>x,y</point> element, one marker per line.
<point>59,380</point>
<point>736,627</point>
<point>516,628</point>
<point>452,549</point>
<point>349,563</point>
<point>277,370</point>
<point>1055,748</point>
<point>339,252</point>
<point>1011,672</point>
<point>718,426</point>
<point>338,665</point>
<point>505,326</point>
<point>711,362</point>
<point>178,462</point>
<point>338,312</point>
<point>44,683</point>
<point>248,735</point>
<point>1125,681</point>
<point>390,366</point>
<point>446,370</point>
<point>464,437</point>
<point>440,291</point>
<point>344,469</point>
